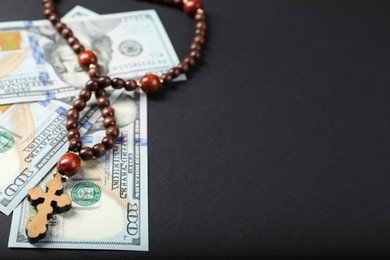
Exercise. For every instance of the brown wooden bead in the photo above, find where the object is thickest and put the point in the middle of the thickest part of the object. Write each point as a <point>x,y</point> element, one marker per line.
<point>66,33</point>
<point>54,18</point>
<point>199,17</point>
<point>175,72</point>
<point>73,133</point>
<point>85,94</point>
<point>183,67</point>
<point>167,78</point>
<point>79,104</point>
<point>69,164</point>
<point>92,85</point>
<point>60,26</point>
<point>78,48</point>
<point>118,83</point>
<point>72,113</point>
<point>195,54</point>
<point>86,153</point>
<point>71,123</point>
<point>200,32</point>
<point>195,46</point>
<point>99,150</point>
<point>47,13</point>
<point>191,6</point>
<point>107,111</point>
<point>199,38</point>
<point>190,60</point>
<point>100,92</point>
<point>177,2</point>
<point>108,141</point>
<point>86,58</point>
<point>103,101</point>
<point>150,83</point>
<point>104,81</point>
<point>48,6</point>
<point>72,41</point>
<point>109,121</point>
<point>201,25</point>
<point>75,144</point>
<point>113,131</point>
<point>94,73</point>
<point>131,85</point>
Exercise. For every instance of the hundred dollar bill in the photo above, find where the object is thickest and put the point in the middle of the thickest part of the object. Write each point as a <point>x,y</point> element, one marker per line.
<point>32,138</point>
<point>37,64</point>
<point>79,11</point>
<point>110,198</point>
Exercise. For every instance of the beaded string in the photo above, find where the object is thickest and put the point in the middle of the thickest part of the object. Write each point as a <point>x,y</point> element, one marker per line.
<point>149,83</point>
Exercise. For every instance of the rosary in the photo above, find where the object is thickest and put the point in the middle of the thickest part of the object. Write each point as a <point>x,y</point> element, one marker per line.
<point>54,200</point>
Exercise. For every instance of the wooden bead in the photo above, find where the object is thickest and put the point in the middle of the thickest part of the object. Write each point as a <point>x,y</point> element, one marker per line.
<point>175,72</point>
<point>199,38</point>
<point>47,13</point>
<point>190,60</point>
<point>85,94</point>
<point>103,101</point>
<point>109,121</point>
<point>104,81</point>
<point>113,131</point>
<point>196,46</point>
<point>99,150</point>
<point>86,58</point>
<point>107,111</point>
<point>54,18</point>
<point>192,6</point>
<point>72,40</point>
<point>86,153</point>
<point>72,113</point>
<point>92,85</point>
<point>100,92</point>
<point>118,83</point>
<point>195,54</point>
<point>60,26</point>
<point>150,83</point>
<point>94,73</point>
<point>75,144</point>
<point>79,104</point>
<point>167,78</point>
<point>78,48</point>
<point>183,67</point>
<point>108,141</point>
<point>73,133</point>
<point>199,17</point>
<point>68,164</point>
<point>71,123</point>
<point>66,33</point>
<point>131,85</point>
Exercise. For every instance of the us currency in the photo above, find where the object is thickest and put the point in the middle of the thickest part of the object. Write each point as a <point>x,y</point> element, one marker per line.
<point>32,138</point>
<point>110,199</point>
<point>37,64</point>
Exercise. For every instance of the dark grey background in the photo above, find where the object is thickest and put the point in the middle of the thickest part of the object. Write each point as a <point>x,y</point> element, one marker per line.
<point>277,145</point>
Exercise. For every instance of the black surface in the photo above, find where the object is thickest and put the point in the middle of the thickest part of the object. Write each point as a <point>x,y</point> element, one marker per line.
<point>277,145</point>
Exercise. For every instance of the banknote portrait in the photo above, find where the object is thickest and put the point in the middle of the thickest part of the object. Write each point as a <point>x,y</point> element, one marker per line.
<point>63,60</point>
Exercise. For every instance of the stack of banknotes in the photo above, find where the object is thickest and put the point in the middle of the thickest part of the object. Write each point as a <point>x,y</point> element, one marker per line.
<point>39,79</point>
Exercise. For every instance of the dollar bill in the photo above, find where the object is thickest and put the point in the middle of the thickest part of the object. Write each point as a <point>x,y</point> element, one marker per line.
<point>37,64</point>
<point>32,138</point>
<point>110,199</point>
<point>79,11</point>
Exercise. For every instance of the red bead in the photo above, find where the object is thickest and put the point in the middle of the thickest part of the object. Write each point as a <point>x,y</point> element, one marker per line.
<point>191,6</point>
<point>86,58</point>
<point>150,83</point>
<point>68,164</point>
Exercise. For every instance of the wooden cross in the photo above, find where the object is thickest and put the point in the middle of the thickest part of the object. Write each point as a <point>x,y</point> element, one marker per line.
<point>49,202</point>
